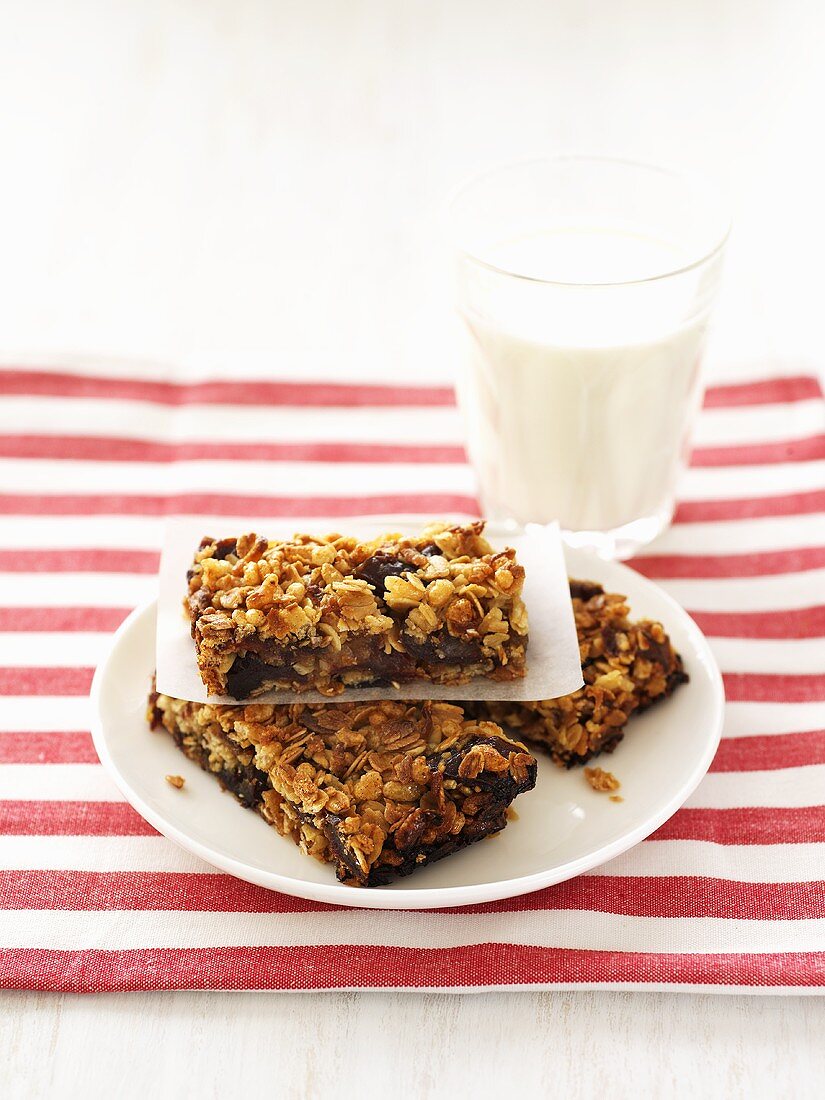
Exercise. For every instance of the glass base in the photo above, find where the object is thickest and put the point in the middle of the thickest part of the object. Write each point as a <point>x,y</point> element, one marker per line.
<point>621,542</point>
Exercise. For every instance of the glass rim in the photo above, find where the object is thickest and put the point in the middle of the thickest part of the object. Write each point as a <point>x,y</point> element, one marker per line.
<point>696,182</point>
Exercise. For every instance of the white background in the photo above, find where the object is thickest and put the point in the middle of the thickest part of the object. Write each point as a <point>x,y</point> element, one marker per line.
<point>254,187</point>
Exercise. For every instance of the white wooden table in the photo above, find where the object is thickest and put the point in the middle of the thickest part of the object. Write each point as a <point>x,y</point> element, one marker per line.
<point>254,187</point>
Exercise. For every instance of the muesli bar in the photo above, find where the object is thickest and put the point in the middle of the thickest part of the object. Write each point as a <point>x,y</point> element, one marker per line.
<point>627,666</point>
<point>376,789</point>
<point>333,612</point>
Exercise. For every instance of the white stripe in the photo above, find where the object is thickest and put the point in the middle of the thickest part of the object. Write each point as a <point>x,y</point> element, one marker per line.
<point>227,423</point>
<point>45,712</point>
<point>792,787</point>
<point>742,863</point>
<point>759,719</point>
<point>81,649</point>
<point>76,589</point>
<point>759,423</point>
<point>730,482</point>
<point>798,655</point>
<point>97,853</point>
<point>46,650</point>
<point>738,862</point>
<point>781,592</point>
<point>58,782</point>
<point>789,787</point>
<point>266,478</point>
<point>342,479</point>
<point>62,713</point>
<point>63,930</point>
<point>232,423</point>
<point>88,532</point>
<point>101,367</point>
<point>726,990</point>
<point>733,536</point>
<point>146,533</point>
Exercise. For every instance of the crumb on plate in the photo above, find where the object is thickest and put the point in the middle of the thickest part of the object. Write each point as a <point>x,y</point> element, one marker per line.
<point>600,780</point>
<point>176,781</point>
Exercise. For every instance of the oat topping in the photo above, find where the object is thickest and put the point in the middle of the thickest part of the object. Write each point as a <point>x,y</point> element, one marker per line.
<point>377,789</point>
<point>326,612</point>
<point>601,780</point>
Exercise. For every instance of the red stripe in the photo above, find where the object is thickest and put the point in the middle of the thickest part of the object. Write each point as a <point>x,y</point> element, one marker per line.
<point>759,454</point>
<point>735,754</point>
<point>236,392</point>
<point>758,564</point>
<point>747,825</point>
<point>806,622</point>
<point>770,687</point>
<point>62,618</point>
<point>694,511</point>
<point>31,818</point>
<point>331,394</point>
<point>753,687</point>
<point>185,504</point>
<point>357,966</point>
<point>116,449</point>
<point>119,449</point>
<point>671,566</point>
<point>788,504</point>
<point>78,560</point>
<point>672,896</point>
<point>59,747</point>
<point>803,622</point>
<point>45,681</point>
<point>769,391</point>
<point>766,753</point>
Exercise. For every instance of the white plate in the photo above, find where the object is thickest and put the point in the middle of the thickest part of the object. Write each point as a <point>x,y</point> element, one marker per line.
<point>563,827</point>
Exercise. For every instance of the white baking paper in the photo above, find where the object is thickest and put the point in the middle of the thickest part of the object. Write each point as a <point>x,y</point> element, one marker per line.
<point>553,666</point>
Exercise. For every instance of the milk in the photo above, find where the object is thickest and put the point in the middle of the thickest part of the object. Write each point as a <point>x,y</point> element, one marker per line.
<point>579,398</point>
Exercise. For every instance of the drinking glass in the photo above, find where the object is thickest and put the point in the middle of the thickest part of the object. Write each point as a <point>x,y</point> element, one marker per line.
<point>585,285</point>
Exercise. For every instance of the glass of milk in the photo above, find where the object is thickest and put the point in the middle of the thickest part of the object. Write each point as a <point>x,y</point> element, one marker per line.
<point>585,285</point>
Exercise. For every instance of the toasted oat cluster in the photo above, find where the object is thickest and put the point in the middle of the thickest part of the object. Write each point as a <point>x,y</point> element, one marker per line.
<point>331,612</point>
<point>600,780</point>
<point>626,665</point>
<point>377,789</point>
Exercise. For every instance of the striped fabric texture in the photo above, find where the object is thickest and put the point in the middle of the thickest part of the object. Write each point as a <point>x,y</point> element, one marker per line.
<point>729,895</point>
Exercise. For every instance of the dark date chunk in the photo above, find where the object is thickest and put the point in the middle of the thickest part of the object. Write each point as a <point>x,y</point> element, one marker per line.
<point>224,548</point>
<point>442,648</point>
<point>368,653</point>
<point>584,590</point>
<point>248,672</point>
<point>246,783</point>
<point>659,652</point>
<point>502,786</point>
<point>377,568</point>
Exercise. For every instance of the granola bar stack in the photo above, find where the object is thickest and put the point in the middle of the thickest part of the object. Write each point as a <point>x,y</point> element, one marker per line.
<point>377,789</point>
<point>381,788</point>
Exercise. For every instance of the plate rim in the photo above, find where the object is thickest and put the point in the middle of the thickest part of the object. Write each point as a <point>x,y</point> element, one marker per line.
<point>440,897</point>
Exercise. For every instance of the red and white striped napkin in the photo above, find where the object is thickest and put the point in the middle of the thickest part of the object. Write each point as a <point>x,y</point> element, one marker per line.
<point>728,895</point>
